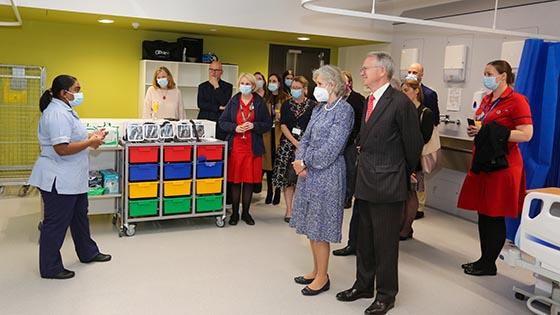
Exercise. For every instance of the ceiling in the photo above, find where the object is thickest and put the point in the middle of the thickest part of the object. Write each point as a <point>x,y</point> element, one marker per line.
<point>52,16</point>
<point>421,9</point>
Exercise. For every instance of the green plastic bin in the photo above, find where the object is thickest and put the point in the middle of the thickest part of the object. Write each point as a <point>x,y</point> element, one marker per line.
<point>141,208</point>
<point>209,203</point>
<point>177,205</point>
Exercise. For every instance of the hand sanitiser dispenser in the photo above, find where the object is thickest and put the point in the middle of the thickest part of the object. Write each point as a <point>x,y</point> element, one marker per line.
<point>477,98</point>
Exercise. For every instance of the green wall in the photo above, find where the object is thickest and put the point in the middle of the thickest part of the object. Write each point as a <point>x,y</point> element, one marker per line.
<point>106,59</point>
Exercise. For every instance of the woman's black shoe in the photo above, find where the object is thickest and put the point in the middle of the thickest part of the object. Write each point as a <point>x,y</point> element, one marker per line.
<point>234,219</point>
<point>268,199</point>
<point>287,219</point>
<point>471,265</point>
<point>276,199</point>
<point>475,271</point>
<point>248,219</point>
<point>303,280</point>
<point>308,291</point>
<point>64,274</point>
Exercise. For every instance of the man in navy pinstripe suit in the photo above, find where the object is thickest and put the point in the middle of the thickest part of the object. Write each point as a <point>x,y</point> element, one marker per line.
<point>390,144</point>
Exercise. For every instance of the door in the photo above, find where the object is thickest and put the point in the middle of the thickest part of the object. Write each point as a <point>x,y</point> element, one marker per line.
<point>302,60</point>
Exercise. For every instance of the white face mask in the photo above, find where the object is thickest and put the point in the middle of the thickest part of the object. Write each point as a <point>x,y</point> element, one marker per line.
<point>321,94</point>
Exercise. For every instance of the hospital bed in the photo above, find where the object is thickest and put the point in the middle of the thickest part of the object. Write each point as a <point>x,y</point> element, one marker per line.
<point>539,237</point>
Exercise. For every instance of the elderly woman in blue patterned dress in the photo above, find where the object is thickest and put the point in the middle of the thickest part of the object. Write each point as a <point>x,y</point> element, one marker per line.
<point>320,191</point>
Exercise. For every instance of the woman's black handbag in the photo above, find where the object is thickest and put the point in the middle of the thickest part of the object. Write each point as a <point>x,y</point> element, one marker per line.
<point>291,176</point>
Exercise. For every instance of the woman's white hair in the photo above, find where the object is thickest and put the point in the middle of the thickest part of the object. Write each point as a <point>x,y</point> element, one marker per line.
<point>333,76</point>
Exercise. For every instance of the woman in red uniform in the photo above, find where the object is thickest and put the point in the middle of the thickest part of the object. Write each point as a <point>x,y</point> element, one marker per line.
<point>499,193</point>
<point>245,119</point>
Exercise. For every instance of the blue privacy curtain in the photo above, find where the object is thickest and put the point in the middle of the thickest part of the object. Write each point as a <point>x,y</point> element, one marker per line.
<point>538,79</point>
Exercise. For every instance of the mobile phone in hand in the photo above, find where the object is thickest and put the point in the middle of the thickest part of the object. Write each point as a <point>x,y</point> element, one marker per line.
<point>470,121</point>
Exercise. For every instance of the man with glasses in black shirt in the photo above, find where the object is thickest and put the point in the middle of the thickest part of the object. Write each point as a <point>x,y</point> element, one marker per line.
<point>213,96</point>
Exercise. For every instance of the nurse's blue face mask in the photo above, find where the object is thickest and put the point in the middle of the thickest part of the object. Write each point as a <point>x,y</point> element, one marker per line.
<point>78,98</point>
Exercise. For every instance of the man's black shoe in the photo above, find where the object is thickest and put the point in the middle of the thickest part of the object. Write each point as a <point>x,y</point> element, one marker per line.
<point>379,307</point>
<point>345,251</point>
<point>352,295</point>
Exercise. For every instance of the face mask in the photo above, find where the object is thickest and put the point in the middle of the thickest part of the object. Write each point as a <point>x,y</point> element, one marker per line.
<point>162,82</point>
<point>412,77</point>
<point>245,89</point>
<point>490,83</point>
<point>288,82</point>
<point>260,83</point>
<point>296,93</point>
<point>78,99</point>
<point>273,87</point>
<point>321,94</point>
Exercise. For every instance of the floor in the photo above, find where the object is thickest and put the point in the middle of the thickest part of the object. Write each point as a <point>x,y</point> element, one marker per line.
<point>193,267</point>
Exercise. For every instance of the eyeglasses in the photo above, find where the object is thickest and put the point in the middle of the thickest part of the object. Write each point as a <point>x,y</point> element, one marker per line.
<point>215,70</point>
<point>364,69</point>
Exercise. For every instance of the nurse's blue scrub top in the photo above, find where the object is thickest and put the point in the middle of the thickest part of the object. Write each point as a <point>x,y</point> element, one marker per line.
<point>59,123</point>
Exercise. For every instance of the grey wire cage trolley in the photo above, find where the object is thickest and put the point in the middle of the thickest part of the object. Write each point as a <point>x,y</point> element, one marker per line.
<point>20,91</point>
<point>173,180</point>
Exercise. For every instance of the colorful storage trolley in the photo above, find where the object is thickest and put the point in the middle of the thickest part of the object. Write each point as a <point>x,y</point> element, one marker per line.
<point>166,181</point>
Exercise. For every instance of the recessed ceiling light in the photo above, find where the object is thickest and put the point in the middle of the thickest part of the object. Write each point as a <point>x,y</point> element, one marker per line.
<point>105,21</point>
<point>303,38</point>
<point>213,30</point>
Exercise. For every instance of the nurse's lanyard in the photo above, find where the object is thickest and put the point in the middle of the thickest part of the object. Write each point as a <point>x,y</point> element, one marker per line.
<point>484,114</point>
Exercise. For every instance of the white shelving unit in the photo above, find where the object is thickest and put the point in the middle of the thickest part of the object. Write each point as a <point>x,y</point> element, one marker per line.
<point>187,75</point>
<point>106,158</point>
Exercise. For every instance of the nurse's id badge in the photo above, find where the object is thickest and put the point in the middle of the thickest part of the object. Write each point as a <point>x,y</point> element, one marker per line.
<point>296,131</point>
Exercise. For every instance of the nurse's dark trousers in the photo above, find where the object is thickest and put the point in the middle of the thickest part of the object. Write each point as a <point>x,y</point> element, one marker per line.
<point>61,212</point>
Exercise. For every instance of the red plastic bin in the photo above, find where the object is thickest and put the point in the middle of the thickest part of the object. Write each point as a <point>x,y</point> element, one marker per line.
<point>143,154</point>
<point>177,153</point>
<point>211,152</point>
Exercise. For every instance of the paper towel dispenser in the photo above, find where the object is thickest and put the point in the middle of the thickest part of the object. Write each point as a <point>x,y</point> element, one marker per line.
<point>454,63</point>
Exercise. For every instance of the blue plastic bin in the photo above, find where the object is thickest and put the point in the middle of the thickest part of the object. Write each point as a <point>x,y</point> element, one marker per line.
<point>177,171</point>
<point>209,169</point>
<point>143,172</point>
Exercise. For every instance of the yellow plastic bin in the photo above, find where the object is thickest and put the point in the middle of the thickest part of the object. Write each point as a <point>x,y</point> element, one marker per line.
<point>177,188</point>
<point>209,186</point>
<point>142,190</point>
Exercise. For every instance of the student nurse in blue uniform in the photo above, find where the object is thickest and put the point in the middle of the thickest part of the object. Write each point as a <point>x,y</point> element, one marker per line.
<point>61,174</point>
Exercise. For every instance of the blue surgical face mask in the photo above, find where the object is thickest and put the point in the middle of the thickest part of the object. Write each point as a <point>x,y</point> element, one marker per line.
<point>260,83</point>
<point>490,83</point>
<point>162,82</point>
<point>288,82</point>
<point>273,87</point>
<point>296,93</point>
<point>245,89</point>
<point>78,99</point>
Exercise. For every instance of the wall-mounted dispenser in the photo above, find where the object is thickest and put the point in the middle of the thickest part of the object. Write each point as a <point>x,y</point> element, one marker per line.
<point>477,98</point>
<point>408,57</point>
<point>455,63</point>
<point>511,52</point>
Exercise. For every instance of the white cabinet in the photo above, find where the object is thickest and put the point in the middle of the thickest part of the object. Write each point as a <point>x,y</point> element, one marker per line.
<point>187,75</point>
